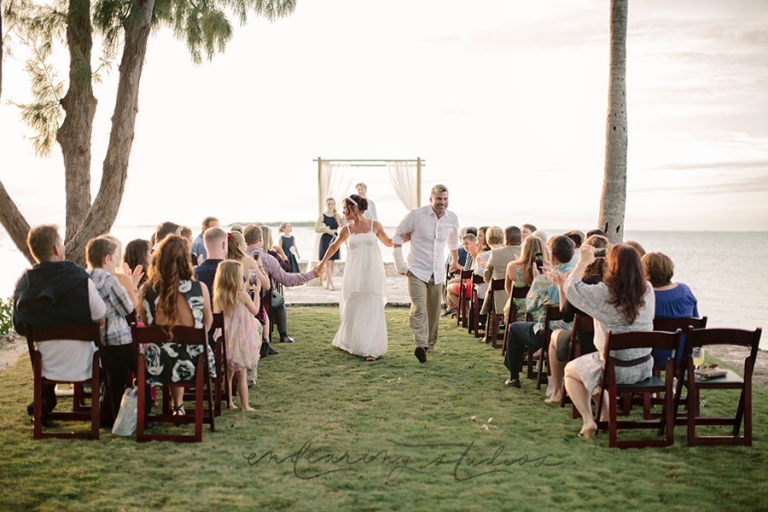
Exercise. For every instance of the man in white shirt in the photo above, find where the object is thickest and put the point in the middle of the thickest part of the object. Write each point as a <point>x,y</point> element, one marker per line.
<point>431,228</point>
<point>370,213</point>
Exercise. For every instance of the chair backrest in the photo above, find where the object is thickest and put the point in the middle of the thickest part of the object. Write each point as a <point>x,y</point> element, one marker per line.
<point>157,334</point>
<point>673,324</point>
<point>520,292</point>
<point>583,323</point>
<point>218,321</point>
<point>641,339</point>
<point>76,332</point>
<point>466,274</point>
<point>497,285</point>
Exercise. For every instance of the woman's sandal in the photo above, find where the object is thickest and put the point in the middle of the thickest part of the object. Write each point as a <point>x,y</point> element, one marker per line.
<point>178,410</point>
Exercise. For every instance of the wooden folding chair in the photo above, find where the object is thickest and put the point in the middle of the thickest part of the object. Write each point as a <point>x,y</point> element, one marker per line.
<point>222,372</point>
<point>665,424</point>
<point>553,313</point>
<point>475,321</point>
<point>462,310</point>
<point>520,292</point>
<point>669,325</point>
<point>494,319</point>
<point>711,337</point>
<point>86,334</point>
<point>202,385</point>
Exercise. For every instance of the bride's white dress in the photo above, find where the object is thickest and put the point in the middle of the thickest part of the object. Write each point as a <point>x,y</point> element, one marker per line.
<point>363,329</point>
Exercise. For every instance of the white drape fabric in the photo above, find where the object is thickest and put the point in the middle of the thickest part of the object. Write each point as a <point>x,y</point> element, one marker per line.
<point>402,175</point>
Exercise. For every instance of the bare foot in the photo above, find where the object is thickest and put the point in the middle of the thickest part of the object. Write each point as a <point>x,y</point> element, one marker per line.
<point>370,358</point>
<point>554,399</point>
<point>248,408</point>
<point>231,406</point>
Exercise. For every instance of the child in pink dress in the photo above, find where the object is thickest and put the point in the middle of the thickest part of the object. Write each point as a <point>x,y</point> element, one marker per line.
<point>242,331</point>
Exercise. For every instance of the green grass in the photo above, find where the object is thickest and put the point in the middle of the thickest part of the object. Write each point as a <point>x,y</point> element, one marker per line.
<point>334,432</point>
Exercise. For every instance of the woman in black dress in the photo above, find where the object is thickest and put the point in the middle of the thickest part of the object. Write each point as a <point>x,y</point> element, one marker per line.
<point>328,224</point>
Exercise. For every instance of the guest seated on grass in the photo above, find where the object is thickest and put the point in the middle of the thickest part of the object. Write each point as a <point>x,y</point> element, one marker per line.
<point>119,293</point>
<point>673,300</point>
<point>519,273</point>
<point>169,298</point>
<point>561,338</point>
<point>543,293</point>
<point>55,293</point>
<point>623,302</point>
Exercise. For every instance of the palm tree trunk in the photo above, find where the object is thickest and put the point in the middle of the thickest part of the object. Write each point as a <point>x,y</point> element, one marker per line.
<point>614,197</point>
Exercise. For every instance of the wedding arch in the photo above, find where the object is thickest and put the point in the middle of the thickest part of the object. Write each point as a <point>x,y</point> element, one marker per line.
<point>334,179</point>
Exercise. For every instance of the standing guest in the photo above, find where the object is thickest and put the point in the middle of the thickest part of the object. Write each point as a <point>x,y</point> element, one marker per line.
<point>136,258</point>
<point>673,300</point>
<point>288,244</point>
<point>431,228</point>
<point>328,224</point>
<point>120,297</point>
<point>170,298</point>
<point>362,191</point>
<point>543,293</point>
<point>242,331</point>
<point>527,230</point>
<point>198,246</point>
<point>623,302</point>
<point>55,293</point>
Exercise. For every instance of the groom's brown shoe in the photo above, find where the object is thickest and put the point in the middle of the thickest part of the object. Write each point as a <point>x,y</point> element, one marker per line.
<point>421,354</point>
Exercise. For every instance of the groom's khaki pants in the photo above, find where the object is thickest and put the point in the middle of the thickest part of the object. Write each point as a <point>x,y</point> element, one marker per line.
<point>425,310</point>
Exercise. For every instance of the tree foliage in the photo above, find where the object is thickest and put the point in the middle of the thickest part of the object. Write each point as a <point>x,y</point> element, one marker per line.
<point>120,26</point>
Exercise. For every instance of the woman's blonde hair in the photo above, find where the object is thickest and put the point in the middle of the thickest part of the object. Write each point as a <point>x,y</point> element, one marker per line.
<point>531,246</point>
<point>227,285</point>
<point>234,252</point>
<point>494,235</point>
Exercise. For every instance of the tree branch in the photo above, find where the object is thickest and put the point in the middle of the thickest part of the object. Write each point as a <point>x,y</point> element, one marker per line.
<point>14,223</point>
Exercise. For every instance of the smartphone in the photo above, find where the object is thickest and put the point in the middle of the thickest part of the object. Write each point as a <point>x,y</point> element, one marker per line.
<point>600,253</point>
<point>538,259</point>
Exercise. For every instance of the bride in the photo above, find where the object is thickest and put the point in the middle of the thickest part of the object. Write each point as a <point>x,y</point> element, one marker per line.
<point>363,329</point>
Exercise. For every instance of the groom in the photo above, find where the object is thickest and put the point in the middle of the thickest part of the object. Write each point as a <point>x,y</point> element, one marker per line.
<point>430,228</point>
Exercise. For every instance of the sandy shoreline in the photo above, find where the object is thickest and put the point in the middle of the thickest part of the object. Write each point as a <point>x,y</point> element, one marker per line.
<point>14,347</point>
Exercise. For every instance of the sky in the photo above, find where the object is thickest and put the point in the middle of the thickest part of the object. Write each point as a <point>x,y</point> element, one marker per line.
<point>505,101</point>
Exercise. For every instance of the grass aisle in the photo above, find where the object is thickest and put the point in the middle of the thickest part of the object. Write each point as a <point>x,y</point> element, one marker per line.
<point>334,432</point>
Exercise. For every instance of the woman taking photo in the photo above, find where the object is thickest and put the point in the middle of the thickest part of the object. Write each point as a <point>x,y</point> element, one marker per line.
<point>623,302</point>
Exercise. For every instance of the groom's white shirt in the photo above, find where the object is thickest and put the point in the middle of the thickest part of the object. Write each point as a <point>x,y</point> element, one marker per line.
<point>429,238</point>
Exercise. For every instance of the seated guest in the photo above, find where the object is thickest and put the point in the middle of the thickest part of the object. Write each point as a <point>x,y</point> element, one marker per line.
<point>278,275</point>
<point>165,229</point>
<point>596,232</point>
<point>216,245</point>
<point>55,293</point>
<point>636,246</point>
<point>120,297</point>
<point>469,242</point>
<point>494,238</point>
<point>274,250</point>
<point>543,293</point>
<point>170,298</point>
<point>481,239</point>
<point>623,302</point>
<point>527,230</point>
<point>198,246</point>
<point>519,273</point>
<point>561,338</point>
<point>673,300</point>
<point>136,258</point>
<point>496,269</point>
<point>577,237</point>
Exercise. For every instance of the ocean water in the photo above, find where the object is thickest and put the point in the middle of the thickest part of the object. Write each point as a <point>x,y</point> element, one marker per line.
<point>719,267</point>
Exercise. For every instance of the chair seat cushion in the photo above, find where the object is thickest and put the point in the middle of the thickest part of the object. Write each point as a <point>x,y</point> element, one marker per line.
<point>651,382</point>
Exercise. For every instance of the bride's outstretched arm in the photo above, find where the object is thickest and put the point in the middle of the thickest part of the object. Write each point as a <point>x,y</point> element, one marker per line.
<point>381,234</point>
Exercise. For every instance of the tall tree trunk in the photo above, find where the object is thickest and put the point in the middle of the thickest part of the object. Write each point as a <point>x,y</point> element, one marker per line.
<point>614,198</point>
<point>74,135</point>
<point>102,214</point>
